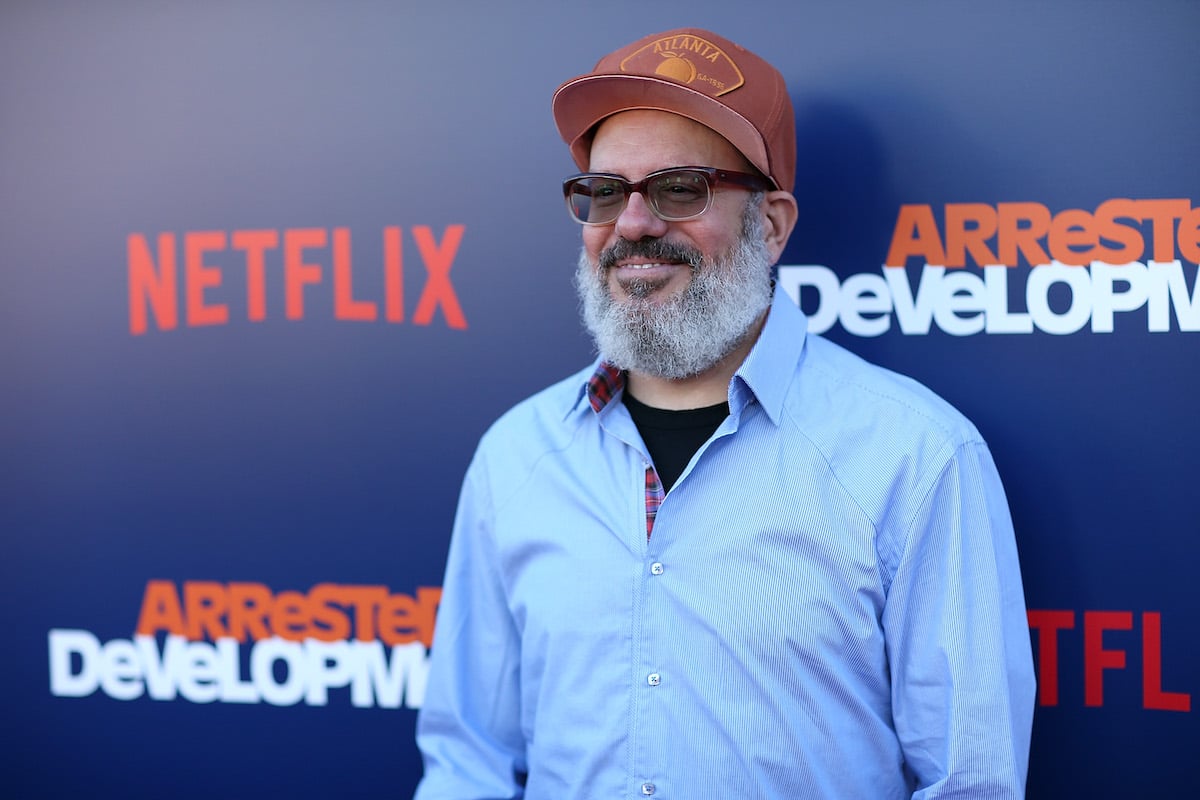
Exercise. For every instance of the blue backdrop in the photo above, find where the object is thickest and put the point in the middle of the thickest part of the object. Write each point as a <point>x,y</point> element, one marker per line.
<point>269,269</point>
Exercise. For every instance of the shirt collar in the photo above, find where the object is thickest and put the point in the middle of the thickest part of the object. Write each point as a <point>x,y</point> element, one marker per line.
<point>606,383</point>
<point>764,376</point>
<point>769,369</point>
<point>598,385</point>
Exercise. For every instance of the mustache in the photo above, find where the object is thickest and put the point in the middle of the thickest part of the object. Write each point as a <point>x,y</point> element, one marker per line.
<point>654,249</point>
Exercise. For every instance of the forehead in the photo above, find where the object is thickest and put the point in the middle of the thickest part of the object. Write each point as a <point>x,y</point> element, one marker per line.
<point>634,143</point>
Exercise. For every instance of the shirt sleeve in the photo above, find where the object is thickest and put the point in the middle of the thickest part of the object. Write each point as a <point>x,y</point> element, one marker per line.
<point>469,729</point>
<point>958,639</point>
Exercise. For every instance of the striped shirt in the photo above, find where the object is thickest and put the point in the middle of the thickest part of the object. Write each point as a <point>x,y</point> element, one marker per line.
<point>830,605</point>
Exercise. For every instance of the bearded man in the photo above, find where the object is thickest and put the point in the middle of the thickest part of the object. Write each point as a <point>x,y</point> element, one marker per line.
<point>729,559</point>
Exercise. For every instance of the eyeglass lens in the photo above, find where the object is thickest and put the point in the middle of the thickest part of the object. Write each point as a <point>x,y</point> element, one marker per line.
<point>673,195</point>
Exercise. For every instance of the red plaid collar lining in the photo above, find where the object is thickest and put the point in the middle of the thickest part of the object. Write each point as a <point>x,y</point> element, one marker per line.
<point>604,385</point>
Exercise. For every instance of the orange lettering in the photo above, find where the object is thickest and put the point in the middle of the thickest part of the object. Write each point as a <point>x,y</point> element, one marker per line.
<point>290,616</point>
<point>438,289</point>
<point>249,604</point>
<point>403,619</point>
<point>1108,229</point>
<point>364,599</point>
<point>393,284</point>
<point>200,276</point>
<point>150,286</point>
<point>1014,237</point>
<point>204,603</point>
<point>249,611</point>
<point>1096,658</point>
<point>256,243</point>
<point>1072,238</point>
<point>1048,624</point>
<point>329,623</point>
<point>961,239</point>
<point>1162,213</point>
<point>915,234</point>
<point>428,598</point>
<point>396,620</point>
<point>1189,236</point>
<point>1153,695</point>
<point>296,273</point>
<point>160,610</point>
<point>344,304</point>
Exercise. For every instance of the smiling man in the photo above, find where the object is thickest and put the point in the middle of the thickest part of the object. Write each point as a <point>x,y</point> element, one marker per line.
<point>729,559</point>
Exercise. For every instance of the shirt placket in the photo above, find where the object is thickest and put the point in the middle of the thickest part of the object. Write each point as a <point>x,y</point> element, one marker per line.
<point>645,675</point>
<point>646,678</point>
<point>654,498</point>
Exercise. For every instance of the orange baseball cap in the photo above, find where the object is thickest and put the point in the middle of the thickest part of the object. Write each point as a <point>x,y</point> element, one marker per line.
<point>696,74</point>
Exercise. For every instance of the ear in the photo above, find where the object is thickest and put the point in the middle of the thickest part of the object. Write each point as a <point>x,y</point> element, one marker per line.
<point>780,213</point>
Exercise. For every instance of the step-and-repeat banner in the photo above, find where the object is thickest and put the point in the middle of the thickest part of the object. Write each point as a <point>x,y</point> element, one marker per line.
<point>269,270</point>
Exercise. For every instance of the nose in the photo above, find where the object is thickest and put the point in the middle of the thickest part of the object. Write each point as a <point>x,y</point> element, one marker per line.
<point>637,221</point>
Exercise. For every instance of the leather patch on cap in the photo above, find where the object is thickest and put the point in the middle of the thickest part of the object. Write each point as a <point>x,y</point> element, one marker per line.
<point>690,60</point>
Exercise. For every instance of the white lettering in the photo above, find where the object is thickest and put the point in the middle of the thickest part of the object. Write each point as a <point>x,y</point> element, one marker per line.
<point>407,673</point>
<point>121,670</point>
<point>1037,296</point>
<point>793,280</point>
<point>329,665</point>
<point>280,672</point>
<point>200,673</point>
<point>159,672</point>
<point>914,316</point>
<point>1168,279</point>
<point>866,294</point>
<point>1059,299</point>
<point>999,318</point>
<point>233,688</point>
<point>1105,297</point>
<point>962,303</point>
<point>64,682</point>
<point>262,671</point>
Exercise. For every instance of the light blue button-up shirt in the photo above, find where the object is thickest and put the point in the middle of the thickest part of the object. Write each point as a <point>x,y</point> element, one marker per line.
<point>830,605</point>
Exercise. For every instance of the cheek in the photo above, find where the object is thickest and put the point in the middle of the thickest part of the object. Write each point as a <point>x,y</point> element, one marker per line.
<point>717,241</point>
<point>595,238</point>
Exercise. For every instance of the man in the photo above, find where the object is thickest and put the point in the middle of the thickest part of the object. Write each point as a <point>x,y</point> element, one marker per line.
<point>729,559</point>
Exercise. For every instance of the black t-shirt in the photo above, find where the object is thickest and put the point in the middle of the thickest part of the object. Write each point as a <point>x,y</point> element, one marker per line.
<point>673,437</point>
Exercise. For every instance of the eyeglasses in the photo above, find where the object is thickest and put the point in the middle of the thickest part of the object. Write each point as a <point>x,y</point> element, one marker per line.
<point>678,193</point>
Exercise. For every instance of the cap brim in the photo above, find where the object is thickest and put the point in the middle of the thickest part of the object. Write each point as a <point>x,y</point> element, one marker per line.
<point>581,103</point>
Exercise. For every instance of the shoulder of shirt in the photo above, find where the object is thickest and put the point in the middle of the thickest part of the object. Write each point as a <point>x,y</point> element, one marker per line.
<point>886,439</point>
<point>538,424</point>
<point>834,387</point>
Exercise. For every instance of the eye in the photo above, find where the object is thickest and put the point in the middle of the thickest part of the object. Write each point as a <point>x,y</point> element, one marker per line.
<point>681,188</point>
<point>603,191</point>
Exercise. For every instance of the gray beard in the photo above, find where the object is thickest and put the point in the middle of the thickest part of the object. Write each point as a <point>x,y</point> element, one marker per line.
<point>691,331</point>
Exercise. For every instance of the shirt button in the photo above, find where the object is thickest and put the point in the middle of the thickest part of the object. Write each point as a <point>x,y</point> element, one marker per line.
<point>647,789</point>
<point>654,679</point>
<point>656,568</point>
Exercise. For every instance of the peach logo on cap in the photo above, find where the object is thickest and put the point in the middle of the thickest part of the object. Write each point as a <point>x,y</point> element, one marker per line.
<point>688,60</point>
